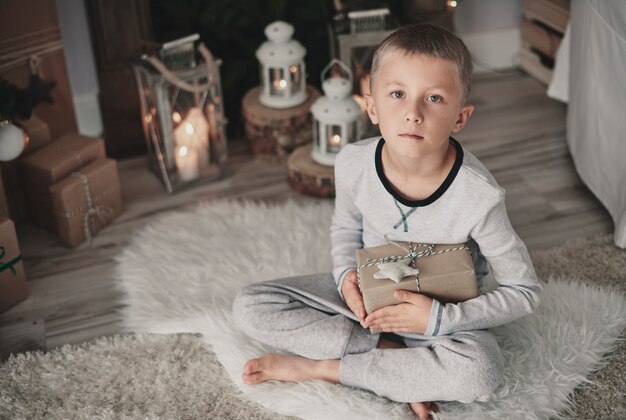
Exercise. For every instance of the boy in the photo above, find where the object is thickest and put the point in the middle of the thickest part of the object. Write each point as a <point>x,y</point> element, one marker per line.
<point>414,184</point>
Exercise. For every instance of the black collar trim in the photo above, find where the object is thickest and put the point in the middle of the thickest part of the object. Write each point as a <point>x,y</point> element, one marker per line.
<point>434,196</point>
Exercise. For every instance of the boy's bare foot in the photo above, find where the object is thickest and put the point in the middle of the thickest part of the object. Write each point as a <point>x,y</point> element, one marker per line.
<point>279,367</point>
<point>421,409</point>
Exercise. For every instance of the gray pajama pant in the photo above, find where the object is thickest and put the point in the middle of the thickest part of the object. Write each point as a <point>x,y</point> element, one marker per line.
<point>306,316</point>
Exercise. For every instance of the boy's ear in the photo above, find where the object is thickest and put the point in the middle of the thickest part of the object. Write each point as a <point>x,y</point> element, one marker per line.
<point>371,109</point>
<point>464,115</point>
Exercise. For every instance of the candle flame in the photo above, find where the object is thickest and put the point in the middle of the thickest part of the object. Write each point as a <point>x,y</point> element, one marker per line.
<point>183,151</point>
<point>280,84</point>
<point>293,68</point>
<point>336,139</point>
<point>189,128</point>
<point>176,117</point>
<point>453,3</point>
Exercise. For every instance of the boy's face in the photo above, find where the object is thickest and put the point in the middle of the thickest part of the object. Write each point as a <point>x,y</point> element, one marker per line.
<point>417,101</point>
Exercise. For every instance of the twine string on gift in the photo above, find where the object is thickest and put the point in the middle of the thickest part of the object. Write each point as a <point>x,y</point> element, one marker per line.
<point>10,264</point>
<point>91,212</point>
<point>66,151</point>
<point>412,255</point>
<point>32,47</point>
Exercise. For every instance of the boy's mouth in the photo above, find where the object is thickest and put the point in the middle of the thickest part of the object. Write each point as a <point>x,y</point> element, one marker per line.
<point>411,136</point>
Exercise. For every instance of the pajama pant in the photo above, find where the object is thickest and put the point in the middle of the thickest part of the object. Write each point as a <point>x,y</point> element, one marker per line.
<point>306,316</point>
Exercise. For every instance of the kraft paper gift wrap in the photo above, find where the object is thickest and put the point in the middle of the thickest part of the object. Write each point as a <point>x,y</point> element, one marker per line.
<point>446,273</point>
<point>13,286</point>
<point>86,201</point>
<point>52,163</point>
<point>38,134</point>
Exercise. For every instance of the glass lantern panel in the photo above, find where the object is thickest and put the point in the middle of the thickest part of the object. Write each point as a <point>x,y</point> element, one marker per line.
<point>316,139</point>
<point>333,138</point>
<point>352,132</point>
<point>295,70</point>
<point>278,82</point>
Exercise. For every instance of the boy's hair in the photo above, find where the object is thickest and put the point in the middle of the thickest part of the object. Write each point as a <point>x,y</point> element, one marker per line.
<point>429,40</point>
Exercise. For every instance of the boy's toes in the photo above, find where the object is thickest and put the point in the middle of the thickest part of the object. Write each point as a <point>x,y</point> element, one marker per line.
<point>251,366</point>
<point>253,378</point>
<point>420,410</point>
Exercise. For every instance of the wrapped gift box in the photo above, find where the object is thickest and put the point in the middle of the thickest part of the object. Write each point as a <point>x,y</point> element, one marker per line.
<point>447,276</point>
<point>86,201</point>
<point>50,164</point>
<point>13,286</point>
<point>4,204</point>
<point>14,191</point>
<point>38,134</point>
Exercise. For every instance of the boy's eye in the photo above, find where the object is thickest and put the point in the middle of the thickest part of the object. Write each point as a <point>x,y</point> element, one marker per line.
<point>435,98</point>
<point>397,94</point>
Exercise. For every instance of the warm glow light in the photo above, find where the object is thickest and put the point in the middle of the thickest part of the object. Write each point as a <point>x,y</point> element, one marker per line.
<point>280,84</point>
<point>189,128</point>
<point>148,118</point>
<point>452,3</point>
<point>176,117</point>
<point>336,139</point>
<point>182,151</point>
<point>293,69</point>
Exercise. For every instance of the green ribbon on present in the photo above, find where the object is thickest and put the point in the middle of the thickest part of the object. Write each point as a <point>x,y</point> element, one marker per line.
<point>10,264</point>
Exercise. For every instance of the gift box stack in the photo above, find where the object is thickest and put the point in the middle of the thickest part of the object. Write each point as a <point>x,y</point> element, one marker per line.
<point>13,286</point>
<point>72,187</point>
<point>444,272</point>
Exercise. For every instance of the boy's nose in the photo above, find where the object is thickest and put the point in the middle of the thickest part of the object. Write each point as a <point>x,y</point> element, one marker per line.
<point>414,114</point>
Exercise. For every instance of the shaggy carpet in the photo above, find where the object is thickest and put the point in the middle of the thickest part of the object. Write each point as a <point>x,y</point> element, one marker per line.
<point>180,274</point>
<point>174,376</point>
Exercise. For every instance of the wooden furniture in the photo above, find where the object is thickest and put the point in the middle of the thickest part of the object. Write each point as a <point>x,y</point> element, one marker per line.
<point>309,177</point>
<point>542,28</point>
<point>274,133</point>
<point>119,30</point>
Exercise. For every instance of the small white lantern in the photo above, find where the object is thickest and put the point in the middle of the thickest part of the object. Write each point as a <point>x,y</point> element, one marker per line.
<point>283,83</point>
<point>336,116</point>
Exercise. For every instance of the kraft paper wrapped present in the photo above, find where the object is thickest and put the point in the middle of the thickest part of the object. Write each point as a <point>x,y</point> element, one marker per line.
<point>86,201</point>
<point>4,204</point>
<point>52,163</point>
<point>446,273</point>
<point>13,286</point>
<point>38,134</point>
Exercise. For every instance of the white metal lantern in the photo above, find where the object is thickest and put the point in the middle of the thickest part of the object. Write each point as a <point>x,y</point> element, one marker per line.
<point>283,83</point>
<point>336,116</point>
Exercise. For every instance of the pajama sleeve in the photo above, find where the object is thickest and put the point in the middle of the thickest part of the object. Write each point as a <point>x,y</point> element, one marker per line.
<point>518,291</point>
<point>346,230</point>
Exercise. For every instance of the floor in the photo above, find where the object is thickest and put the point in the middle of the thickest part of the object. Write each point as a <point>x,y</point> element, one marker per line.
<point>517,132</point>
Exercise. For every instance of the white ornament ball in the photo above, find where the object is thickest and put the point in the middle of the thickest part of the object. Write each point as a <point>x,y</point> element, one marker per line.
<point>11,142</point>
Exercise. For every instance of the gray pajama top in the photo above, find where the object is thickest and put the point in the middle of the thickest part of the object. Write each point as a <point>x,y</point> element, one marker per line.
<point>467,207</point>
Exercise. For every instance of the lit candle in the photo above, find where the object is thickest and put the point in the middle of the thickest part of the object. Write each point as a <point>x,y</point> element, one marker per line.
<point>280,84</point>
<point>193,132</point>
<point>187,163</point>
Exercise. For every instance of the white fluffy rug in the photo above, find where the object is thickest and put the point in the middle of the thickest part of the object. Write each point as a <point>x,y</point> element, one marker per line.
<point>181,272</point>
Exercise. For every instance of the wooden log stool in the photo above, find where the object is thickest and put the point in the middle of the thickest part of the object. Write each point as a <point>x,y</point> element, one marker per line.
<point>309,177</point>
<point>274,133</point>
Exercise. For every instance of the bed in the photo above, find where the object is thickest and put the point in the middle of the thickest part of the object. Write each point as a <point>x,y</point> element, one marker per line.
<point>590,75</point>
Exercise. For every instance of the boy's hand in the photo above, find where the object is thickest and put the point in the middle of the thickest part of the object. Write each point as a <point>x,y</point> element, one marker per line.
<point>410,316</point>
<point>352,295</point>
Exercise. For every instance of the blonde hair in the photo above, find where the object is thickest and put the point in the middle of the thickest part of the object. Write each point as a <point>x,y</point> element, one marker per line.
<point>429,40</point>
